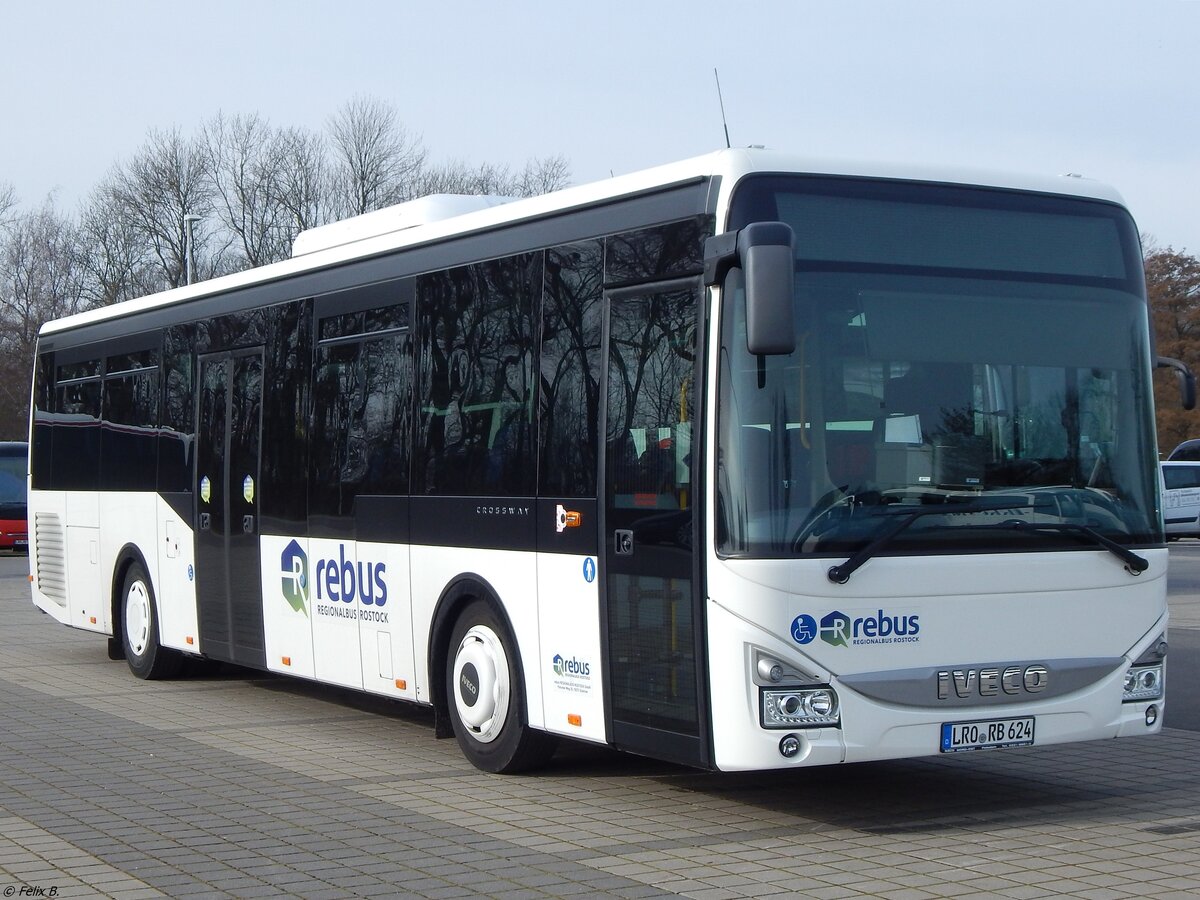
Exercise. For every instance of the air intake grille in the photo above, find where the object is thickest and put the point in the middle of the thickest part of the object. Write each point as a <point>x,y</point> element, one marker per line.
<point>51,558</point>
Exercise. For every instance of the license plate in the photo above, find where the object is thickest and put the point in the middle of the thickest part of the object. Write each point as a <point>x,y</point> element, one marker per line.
<point>986,734</point>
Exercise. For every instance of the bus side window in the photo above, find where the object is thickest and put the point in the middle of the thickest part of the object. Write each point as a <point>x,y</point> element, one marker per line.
<point>475,345</point>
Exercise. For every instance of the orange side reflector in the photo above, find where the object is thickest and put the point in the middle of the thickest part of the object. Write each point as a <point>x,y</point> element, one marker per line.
<point>92,619</point>
<point>573,719</point>
<point>402,684</point>
<point>31,579</point>
<point>573,519</point>
<point>287,660</point>
<point>190,640</point>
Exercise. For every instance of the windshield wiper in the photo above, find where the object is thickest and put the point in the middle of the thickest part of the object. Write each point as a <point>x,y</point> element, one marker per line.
<point>841,574</point>
<point>1134,564</point>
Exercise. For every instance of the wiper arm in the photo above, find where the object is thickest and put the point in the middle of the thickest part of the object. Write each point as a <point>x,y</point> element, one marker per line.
<point>905,517</point>
<point>1134,564</point>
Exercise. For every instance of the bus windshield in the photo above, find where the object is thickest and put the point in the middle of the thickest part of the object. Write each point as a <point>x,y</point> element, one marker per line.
<point>979,349</point>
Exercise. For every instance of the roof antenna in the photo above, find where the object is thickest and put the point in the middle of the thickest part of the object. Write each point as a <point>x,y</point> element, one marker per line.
<point>721,100</point>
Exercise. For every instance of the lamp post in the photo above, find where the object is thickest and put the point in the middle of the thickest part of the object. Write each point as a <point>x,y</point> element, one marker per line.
<point>189,265</point>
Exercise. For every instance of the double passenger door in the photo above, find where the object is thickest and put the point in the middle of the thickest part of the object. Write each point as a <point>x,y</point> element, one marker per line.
<point>228,441</point>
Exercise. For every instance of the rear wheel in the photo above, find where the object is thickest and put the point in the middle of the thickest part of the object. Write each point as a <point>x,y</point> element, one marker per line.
<point>486,696</point>
<point>139,628</point>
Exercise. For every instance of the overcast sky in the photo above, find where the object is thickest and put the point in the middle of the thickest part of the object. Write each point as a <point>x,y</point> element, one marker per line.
<point>1106,88</point>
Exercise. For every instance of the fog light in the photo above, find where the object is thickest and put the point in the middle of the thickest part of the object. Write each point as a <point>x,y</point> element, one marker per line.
<point>789,746</point>
<point>1151,714</point>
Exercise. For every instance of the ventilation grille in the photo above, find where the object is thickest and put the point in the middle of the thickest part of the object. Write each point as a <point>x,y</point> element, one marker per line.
<point>51,558</point>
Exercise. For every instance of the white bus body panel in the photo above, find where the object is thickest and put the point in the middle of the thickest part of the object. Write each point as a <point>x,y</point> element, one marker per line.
<point>512,575</point>
<point>350,620</point>
<point>337,653</point>
<point>96,528</point>
<point>125,519</point>
<point>386,634</point>
<point>971,611</point>
<point>287,629</point>
<point>85,579</point>
<point>570,658</point>
<point>175,580</point>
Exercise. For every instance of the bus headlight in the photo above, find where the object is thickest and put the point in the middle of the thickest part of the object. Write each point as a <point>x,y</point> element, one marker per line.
<point>799,708</point>
<point>1143,683</point>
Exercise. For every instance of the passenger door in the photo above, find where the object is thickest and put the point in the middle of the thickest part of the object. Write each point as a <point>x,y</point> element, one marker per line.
<point>228,438</point>
<point>653,627</point>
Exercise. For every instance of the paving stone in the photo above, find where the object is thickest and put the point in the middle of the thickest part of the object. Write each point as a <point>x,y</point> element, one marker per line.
<point>245,785</point>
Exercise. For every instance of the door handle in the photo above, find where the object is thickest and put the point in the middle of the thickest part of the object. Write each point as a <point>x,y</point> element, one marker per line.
<point>247,524</point>
<point>623,542</point>
<point>205,521</point>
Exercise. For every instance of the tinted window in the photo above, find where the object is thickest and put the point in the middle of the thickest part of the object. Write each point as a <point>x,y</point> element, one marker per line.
<point>362,414</point>
<point>76,464</point>
<point>42,450</point>
<point>655,254</point>
<point>284,502</point>
<point>177,434</point>
<point>244,329</point>
<point>1176,477</point>
<point>570,371</point>
<point>475,408</point>
<point>129,440</point>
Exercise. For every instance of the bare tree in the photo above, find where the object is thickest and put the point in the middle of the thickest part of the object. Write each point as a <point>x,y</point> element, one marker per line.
<point>375,158</point>
<point>459,177</point>
<point>255,187</point>
<point>41,278</point>
<point>8,202</point>
<point>539,176</point>
<point>117,260</point>
<point>304,179</point>
<point>166,180</point>
<point>1173,290</point>
<point>248,162</point>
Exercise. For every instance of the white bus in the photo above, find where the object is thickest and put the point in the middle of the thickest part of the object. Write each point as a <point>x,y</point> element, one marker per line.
<point>745,462</point>
<point>1181,498</point>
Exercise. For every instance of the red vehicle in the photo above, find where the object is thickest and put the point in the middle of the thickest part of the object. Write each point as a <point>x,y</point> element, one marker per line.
<point>14,465</point>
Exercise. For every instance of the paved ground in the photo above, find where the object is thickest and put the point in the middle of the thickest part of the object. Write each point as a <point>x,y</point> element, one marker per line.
<point>235,784</point>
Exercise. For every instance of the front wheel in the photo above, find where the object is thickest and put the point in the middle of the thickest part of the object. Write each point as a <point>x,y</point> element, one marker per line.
<point>139,627</point>
<point>486,696</point>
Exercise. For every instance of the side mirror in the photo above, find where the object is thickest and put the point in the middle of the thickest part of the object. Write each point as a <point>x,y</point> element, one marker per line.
<point>769,263</point>
<point>765,252</point>
<point>1187,381</point>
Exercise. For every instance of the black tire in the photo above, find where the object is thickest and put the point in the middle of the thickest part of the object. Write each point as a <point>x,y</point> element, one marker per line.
<point>486,696</point>
<point>139,629</point>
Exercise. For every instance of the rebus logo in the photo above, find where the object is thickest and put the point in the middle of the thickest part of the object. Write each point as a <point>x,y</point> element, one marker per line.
<point>841,630</point>
<point>341,579</point>
<point>572,666</point>
<point>294,563</point>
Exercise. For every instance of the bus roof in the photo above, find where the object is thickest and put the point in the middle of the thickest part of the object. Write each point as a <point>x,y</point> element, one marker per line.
<point>431,219</point>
